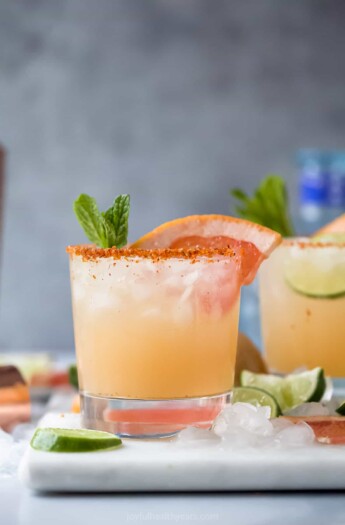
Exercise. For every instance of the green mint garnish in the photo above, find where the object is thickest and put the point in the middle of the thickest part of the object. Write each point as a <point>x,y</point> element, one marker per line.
<point>117,216</point>
<point>105,229</point>
<point>268,205</point>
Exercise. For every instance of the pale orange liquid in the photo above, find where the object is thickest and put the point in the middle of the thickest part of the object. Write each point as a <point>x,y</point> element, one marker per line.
<point>149,338</point>
<point>298,330</point>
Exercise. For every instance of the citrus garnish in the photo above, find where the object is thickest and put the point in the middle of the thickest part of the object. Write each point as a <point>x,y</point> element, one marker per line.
<point>338,225</point>
<point>291,390</point>
<point>76,440</point>
<point>320,275</point>
<point>257,397</point>
<point>250,242</point>
<point>331,237</point>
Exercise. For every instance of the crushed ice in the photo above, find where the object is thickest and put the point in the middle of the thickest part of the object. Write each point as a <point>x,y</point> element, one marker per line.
<point>12,448</point>
<point>242,425</point>
<point>325,408</point>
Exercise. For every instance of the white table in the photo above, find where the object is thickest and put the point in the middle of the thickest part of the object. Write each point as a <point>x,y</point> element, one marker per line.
<point>19,507</point>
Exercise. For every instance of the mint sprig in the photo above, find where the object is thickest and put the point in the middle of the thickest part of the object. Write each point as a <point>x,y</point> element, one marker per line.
<point>118,216</point>
<point>267,206</point>
<point>105,229</point>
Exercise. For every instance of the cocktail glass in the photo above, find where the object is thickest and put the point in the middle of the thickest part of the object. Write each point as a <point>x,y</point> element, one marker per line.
<point>302,295</point>
<point>155,335</point>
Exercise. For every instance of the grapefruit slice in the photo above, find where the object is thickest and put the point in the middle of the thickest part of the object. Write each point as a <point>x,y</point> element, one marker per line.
<point>336,226</point>
<point>250,242</point>
<point>327,429</point>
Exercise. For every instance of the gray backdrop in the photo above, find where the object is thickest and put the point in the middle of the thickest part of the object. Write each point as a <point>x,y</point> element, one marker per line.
<point>173,101</point>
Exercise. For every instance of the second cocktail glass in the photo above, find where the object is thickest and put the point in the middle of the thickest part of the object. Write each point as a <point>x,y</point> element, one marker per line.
<point>302,294</point>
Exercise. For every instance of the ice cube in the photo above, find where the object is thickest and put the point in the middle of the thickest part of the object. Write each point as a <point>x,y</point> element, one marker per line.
<point>191,278</point>
<point>186,294</point>
<point>106,298</point>
<point>309,409</point>
<point>79,291</point>
<point>243,415</point>
<point>141,292</point>
<point>199,436</point>
<point>281,423</point>
<point>295,435</point>
<point>11,453</point>
<point>183,313</point>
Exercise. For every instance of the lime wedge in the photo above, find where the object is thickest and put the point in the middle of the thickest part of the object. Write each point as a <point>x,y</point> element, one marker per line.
<point>289,391</point>
<point>256,397</point>
<point>66,440</point>
<point>341,409</point>
<point>318,274</point>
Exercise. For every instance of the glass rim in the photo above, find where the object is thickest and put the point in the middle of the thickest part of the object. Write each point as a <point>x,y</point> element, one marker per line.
<point>89,252</point>
<point>308,242</point>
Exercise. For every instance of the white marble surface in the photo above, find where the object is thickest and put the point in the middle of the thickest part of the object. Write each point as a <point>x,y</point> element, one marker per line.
<point>165,465</point>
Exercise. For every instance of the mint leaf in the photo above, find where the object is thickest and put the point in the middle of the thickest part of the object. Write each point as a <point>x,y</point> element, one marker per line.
<point>105,229</point>
<point>90,219</point>
<point>109,232</point>
<point>118,215</point>
<point>268,206</point>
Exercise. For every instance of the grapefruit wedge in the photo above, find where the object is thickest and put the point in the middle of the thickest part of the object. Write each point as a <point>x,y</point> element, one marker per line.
<point>250,242</point>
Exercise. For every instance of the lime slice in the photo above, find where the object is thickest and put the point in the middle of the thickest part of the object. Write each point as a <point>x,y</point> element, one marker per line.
<point>335,237</point>
<point>256,397</point>
<point>66,440</point>
<point>341,409</point>
<point>289,391</point>
<point>318,274</point>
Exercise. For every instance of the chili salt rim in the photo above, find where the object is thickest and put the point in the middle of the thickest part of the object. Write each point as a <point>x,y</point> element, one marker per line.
<point>92,253</point>
<point>305,242</point>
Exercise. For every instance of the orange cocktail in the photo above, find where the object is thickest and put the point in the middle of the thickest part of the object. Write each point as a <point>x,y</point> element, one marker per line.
<point>302,294</point>
<point>155,325</point>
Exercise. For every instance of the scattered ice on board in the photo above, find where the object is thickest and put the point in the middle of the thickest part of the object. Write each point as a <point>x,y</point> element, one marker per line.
<point>243,425</point>
<point>11,450</point>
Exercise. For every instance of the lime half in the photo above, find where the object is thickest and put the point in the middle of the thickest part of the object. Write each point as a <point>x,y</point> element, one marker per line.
<point>317,272</point>
<point>289,391</point>
<point>66,440</point>
<point>256,397</point>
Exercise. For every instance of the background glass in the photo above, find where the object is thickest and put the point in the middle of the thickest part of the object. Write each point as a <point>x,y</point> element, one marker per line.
<point>300,330</point>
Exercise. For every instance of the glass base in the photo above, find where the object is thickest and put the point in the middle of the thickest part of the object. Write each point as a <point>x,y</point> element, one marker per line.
<point>139,418</point>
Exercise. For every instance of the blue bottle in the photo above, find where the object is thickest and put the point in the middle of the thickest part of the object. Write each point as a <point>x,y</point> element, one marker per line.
<point>336,184</point>
<point>321,188</point>
<point>313,190</point>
